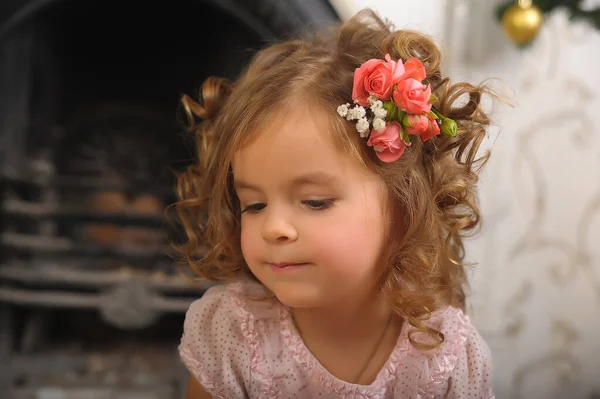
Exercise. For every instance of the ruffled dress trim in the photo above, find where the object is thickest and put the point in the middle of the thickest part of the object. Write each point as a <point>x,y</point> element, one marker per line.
<point>440,364</point>
<point>217,390</point>
<point>248,326</point>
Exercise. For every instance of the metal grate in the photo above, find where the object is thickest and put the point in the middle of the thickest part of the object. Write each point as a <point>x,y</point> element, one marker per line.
<point>58,255</point>
<point>65,247</point>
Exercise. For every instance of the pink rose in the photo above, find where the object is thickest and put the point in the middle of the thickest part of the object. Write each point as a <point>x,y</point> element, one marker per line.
<point>433,129</point>
<point>418,124</point>
<point>376,77</point>
<point>387,143</point>
<point>412,96</point>
<point>414,69</point>
<point>422,125</point>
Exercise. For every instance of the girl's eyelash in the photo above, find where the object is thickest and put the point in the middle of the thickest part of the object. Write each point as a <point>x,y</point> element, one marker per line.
<point>254,208</point>
<point>319,204</point>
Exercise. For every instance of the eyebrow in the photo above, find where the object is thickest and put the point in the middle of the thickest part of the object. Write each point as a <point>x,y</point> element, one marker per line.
<point>309,179</point>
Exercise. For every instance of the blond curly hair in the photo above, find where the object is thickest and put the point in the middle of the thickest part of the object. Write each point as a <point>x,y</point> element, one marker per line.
<point>432,187</point>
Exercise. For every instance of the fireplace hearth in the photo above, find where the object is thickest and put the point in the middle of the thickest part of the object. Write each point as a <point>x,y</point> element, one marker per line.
<point>91,302</point>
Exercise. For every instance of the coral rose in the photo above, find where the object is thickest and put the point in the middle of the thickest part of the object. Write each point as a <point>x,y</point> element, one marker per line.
<point>412,96</point>
<point>388,143</point>
<point>376,77</point>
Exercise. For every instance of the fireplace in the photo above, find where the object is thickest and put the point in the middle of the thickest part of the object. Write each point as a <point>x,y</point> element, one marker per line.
<point>91,303</point>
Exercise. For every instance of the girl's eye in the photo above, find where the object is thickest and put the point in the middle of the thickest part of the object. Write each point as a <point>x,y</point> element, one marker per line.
<point>254,208</point>
<point>318,204</point>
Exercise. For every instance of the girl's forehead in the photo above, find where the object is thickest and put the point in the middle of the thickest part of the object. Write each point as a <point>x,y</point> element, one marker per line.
<point>298,144</point>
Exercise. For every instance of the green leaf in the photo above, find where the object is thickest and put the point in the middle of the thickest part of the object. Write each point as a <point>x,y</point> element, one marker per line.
<point>433,99</point>
<point>391,109</point>
<point>400,115</point>
<point>406,121</point>
<point>405,136</point>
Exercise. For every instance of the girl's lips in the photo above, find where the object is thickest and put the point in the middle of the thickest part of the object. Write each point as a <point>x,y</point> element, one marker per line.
<point>285,266</point>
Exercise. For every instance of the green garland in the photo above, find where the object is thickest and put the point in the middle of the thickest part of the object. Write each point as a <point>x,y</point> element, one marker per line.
<point>573,7</point>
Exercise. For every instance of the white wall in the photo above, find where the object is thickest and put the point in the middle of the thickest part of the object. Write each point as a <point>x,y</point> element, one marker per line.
<point>536,288</point>
<point>423,15</point>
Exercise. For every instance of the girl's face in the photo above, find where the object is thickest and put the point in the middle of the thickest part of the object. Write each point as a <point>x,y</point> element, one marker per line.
<point>313,221</point>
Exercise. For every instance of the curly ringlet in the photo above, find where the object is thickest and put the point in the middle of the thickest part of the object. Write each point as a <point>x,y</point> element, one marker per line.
<point>432,187</point>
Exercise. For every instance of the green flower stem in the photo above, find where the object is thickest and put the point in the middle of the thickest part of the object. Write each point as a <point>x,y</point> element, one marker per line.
<point>437,114</point>
<point>400,115</point>
<point>448,126</point>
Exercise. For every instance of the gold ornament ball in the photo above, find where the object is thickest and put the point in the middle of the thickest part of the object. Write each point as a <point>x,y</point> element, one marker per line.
<point>522,22</point>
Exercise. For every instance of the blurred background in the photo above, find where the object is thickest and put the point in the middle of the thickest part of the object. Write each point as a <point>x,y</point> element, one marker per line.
<point>91,304</point>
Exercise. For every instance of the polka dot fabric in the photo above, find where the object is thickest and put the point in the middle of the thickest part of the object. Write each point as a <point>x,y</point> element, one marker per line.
<point>238,347</point>
<point>210,346</point>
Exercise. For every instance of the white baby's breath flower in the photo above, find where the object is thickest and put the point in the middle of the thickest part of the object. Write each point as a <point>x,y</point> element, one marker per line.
<point>356,113</point>
<point>379,112</point>
<point>343,110</point>
<point>372,98</point>
<point>378,124</point>
<point>376,104</point>
<point>363,127</point>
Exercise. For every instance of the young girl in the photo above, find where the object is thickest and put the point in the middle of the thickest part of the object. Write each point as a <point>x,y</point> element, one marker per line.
<point>334,183</point>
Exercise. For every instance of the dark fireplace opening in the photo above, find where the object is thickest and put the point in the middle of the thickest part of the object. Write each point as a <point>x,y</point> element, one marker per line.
<point>142,52</point>
<point>91,302</point>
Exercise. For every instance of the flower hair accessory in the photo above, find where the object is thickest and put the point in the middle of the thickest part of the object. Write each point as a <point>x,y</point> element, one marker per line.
<point>391,104</point>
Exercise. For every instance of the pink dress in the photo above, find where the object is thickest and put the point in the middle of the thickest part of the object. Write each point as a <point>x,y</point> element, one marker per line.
<point>237,347</point>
